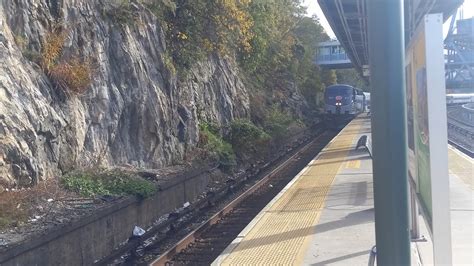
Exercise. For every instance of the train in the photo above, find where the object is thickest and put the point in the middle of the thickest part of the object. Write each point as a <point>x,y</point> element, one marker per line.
<point>344,100</point>
<point>459,98</point>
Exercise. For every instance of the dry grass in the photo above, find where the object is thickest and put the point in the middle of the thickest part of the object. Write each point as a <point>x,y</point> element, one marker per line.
<point>52,49</point>
<point>13,209</point>
<point>18,206</point>
<point>73,76</point>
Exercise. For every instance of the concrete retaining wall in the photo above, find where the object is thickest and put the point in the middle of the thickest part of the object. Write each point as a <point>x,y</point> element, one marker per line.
<point>95,236</point>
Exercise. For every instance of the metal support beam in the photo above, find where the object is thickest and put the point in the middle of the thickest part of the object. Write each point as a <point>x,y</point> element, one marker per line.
<point>387,57</point>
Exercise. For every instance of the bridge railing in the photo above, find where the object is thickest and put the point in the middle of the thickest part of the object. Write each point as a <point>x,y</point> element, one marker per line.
<point>331,57</point>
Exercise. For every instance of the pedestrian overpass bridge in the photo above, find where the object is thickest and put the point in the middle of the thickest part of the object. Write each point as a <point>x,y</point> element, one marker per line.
<point>331,54</point>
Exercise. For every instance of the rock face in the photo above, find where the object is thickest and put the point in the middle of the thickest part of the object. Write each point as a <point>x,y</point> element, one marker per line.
<point>135,112</point>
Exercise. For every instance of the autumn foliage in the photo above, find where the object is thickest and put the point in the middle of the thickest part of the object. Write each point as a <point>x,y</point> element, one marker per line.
<point>273,40</point>
<point>70,74</point>
<point>73,75</point>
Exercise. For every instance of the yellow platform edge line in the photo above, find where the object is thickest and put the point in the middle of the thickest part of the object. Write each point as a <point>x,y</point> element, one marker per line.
<point>228,250</point>
<point>225,257</point>
<point>461,165</point>
<point>301,254</point>
<point>353,164</point>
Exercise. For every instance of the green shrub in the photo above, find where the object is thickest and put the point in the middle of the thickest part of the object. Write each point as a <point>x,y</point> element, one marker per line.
<point>121,13</point>
<point>162,9</point>
<point>219,149</point>
<point>124,183</point>
<point>196,29</point>
<point>85,184</point>
<point>247,139</point>
<point>277,123</point>
<point>89,183</point>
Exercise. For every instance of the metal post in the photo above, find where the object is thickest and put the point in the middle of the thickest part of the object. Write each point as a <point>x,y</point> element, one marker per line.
<point>414,221</point>
<point>389,141</point>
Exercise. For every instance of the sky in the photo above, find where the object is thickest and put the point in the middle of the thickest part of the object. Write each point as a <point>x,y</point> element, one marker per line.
<point>314,9</point>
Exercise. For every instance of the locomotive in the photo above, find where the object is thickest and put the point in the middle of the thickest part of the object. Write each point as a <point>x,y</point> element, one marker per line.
<point>344,100</point>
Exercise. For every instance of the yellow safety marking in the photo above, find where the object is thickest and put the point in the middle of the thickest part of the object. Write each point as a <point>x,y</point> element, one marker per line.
<point>461,166</point>
<point>353,164</point>
<point>282,234</point>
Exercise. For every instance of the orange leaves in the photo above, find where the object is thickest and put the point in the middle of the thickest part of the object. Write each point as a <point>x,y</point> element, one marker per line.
<point>72,75</point>
<point>52,49</point>
<point>235,19</point>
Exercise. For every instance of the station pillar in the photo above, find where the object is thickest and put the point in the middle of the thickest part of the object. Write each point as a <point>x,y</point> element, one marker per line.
<point>389,141</point>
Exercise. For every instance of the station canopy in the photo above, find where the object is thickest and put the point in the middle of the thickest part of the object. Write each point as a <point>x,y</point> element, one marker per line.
<point>348,20</point>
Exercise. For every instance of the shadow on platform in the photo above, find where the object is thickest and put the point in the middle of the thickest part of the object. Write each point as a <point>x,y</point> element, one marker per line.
<point>341,258</point>
<point>352,219</point>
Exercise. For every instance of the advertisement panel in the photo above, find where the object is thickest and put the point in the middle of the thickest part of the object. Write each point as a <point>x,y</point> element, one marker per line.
<point>412,171</point>
<point>427,132</point>
<point>421,125</point>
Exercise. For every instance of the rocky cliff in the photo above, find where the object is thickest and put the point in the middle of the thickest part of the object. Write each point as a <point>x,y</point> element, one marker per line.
<point>135,112</point>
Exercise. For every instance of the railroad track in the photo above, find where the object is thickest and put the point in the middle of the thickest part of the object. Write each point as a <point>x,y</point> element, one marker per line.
<point>460,132</point>
<point>462,148</point>
<point>205,243</point>
<point>170,229</point>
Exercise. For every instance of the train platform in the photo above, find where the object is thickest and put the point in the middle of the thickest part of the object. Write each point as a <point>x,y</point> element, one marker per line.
<point>461,186</point>
<point>325,215</point>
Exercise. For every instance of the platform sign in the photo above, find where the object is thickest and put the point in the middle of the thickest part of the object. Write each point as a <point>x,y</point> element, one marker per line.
<point>427,131</point>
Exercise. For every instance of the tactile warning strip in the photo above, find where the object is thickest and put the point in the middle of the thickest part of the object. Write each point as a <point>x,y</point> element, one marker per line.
<point>462,166</point>
<point>281,234</point>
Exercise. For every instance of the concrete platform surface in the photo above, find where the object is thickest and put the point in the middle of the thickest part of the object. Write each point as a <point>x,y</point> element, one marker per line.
<point>461,177</point>
<point>325,215</point>
<point>345,233</point>
<point>283,233</point>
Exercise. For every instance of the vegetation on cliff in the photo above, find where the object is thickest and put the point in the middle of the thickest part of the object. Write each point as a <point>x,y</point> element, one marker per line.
<point>216,147</point>
<point>274,44</point>
<point>135,110</point>
<point>273,40</point>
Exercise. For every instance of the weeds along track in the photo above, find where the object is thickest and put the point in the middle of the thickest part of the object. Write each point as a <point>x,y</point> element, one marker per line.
<point>186,236</point>
<point>204,244</point>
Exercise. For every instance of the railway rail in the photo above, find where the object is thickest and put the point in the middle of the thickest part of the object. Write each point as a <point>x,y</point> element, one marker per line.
<point>205,243</point>
<point>460,131</point>
<point>228,209</point>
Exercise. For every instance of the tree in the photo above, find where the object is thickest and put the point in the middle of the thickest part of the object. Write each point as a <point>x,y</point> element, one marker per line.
<point>351,77</point>
<point>329,77</point>
<point>273,40</point>
<point>309,33</point>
